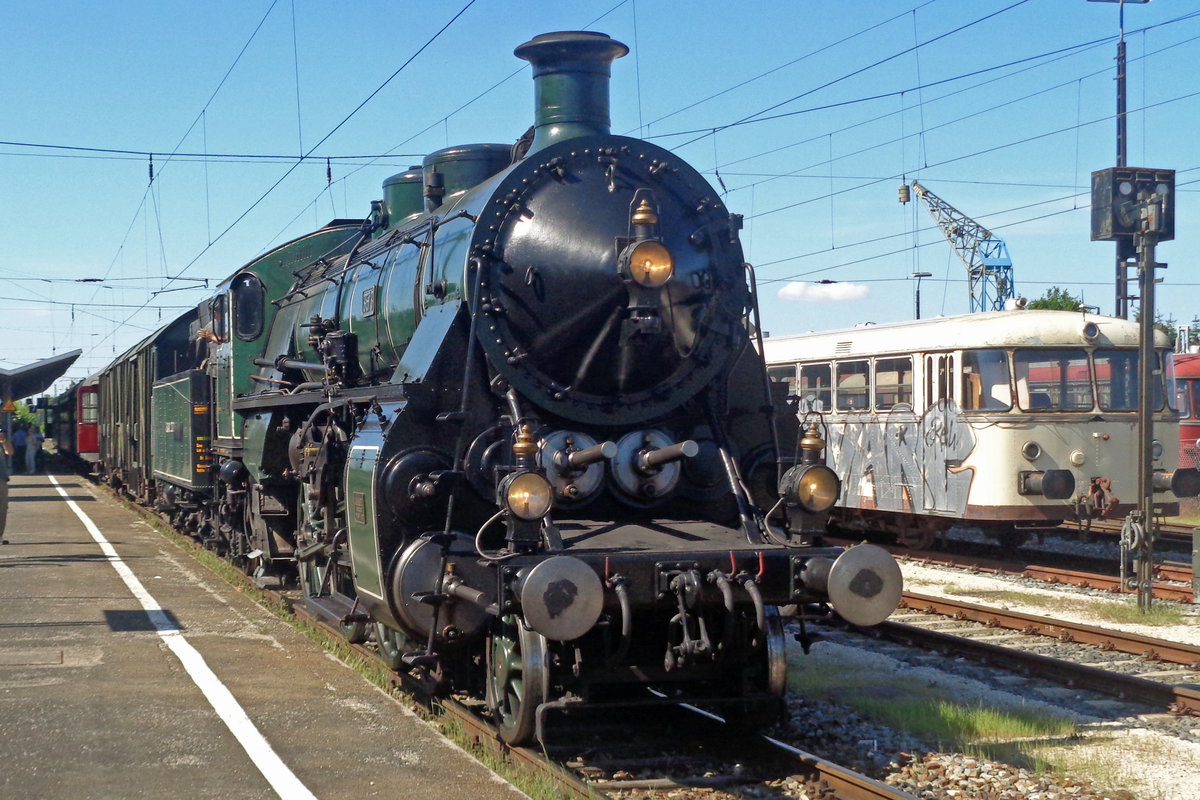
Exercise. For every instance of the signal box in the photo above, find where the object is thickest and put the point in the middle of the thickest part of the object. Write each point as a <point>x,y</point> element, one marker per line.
<point>1117,197</point>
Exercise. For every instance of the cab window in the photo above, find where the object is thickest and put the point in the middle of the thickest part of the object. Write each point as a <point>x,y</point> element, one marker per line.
<point>220,326</point>
<point>1053,380</point>
<point>1117,381</point>
<point>248,297</point>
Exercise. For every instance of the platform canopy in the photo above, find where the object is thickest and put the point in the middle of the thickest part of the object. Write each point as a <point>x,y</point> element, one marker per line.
<point>31,379</point>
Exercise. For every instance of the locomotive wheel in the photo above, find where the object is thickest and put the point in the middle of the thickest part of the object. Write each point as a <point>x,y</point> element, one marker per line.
<point>766,706</point>
<point>918,538</point>
<point>517,679</point>
<point>355,632</point>
<point>392,645</point>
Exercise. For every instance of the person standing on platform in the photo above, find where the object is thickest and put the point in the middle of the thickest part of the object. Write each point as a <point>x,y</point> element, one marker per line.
<point>6,450</point>
<point>18,443</point>
<point>33,448</point>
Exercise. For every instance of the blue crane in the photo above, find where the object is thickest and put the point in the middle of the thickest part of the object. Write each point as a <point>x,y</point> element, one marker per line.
<point>989,269</point>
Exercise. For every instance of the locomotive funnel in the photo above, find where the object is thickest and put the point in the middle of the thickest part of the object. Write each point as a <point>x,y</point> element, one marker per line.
<point>571,70</point>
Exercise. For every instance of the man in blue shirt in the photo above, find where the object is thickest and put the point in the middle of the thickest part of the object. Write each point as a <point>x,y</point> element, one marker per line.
<point>18,443</point>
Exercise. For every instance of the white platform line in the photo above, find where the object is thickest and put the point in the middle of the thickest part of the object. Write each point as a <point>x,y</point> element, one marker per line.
<point>282,779</point>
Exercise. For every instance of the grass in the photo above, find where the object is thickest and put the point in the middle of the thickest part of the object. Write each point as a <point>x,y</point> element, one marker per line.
<point>968,725</point>
<point>1124,610</point>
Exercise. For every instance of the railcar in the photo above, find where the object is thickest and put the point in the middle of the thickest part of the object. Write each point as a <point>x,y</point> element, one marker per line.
<point>123,393</point>
<point>74,419</point>
<point>1008,421</point>
<point>1187,402</point>
<point>511,426</point>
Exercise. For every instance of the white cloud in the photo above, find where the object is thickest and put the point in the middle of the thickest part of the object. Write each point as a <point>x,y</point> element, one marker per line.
<point>805,291</point>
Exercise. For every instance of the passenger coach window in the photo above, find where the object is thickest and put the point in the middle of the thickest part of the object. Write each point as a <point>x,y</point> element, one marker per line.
<point>91,410</point>
<point>815,380</point>
<point>852,385</point>
<point>893,382</point>
<point>1182,396</point>
<point>1053,380</point>
<point>248,295</point>
<point>985,383</point>
<point>1117,381</point>
<point>785,375</point>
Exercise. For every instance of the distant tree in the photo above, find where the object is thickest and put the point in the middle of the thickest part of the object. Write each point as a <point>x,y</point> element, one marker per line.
<point>1057,299</point>
<point>1167,325</point>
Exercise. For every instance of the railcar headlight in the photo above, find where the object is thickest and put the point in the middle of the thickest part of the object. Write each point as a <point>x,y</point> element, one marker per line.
<point>813,487</point>
<point>1156,449</point>
<point>1031,450</point>
<point>651,264</point>
<point>528,495</point>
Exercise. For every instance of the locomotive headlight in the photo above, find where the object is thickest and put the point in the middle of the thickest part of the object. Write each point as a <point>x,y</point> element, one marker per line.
<point>650,263</point>
<point>527,495</point>
<point>813,487</point>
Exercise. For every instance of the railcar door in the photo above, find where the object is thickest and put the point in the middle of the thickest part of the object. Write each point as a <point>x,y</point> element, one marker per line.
<point>940,443</point>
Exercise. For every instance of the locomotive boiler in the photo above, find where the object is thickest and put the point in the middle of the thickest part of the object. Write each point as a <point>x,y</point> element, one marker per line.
<point>512,426</point>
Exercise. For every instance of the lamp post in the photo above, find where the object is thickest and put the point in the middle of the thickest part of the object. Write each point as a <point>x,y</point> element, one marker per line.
<point>917,299</point>
<point>1125,250</point>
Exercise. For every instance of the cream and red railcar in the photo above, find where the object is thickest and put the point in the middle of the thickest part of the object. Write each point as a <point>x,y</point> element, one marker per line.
<point>1007,421</point>
<point>1187,401</point>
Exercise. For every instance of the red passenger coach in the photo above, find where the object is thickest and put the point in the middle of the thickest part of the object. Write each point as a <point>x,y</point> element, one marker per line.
<point>88,424</point>
<point>1187,394</point>
<point>76,415</point>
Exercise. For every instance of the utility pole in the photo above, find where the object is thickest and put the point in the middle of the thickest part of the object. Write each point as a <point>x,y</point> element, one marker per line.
<point>1125,248</point>
<point>1138,205</point>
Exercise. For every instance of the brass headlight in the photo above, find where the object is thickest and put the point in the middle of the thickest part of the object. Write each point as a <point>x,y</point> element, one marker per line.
<point>813,487</point>
<point>528,495</point>
<point>651,264</point>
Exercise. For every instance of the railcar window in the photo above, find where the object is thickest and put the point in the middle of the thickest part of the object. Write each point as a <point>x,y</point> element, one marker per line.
<point>785,375</point>
<point>816,380</point>
<point>852,377</point>
<point>1183,392</point>
<point>91,407</point>
<point>1194,396</point>
<point>1117,381</point>
<point>893,382</point>
<point>1053,380</point>
<point>248,296</point>
<point>985,381</point>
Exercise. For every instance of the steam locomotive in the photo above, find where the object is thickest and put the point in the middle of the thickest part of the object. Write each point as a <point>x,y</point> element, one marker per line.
<point>511,426</point>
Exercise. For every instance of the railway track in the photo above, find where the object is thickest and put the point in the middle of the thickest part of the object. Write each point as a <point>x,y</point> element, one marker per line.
<point>729,759</point>
<point>1176,533</point>
<point>1146,678</point>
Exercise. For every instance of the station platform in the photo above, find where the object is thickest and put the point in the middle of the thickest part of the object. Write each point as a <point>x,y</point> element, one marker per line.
<point>128,670</point>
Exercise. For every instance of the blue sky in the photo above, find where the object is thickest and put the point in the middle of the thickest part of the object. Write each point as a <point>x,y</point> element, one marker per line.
<point>807,115</point>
